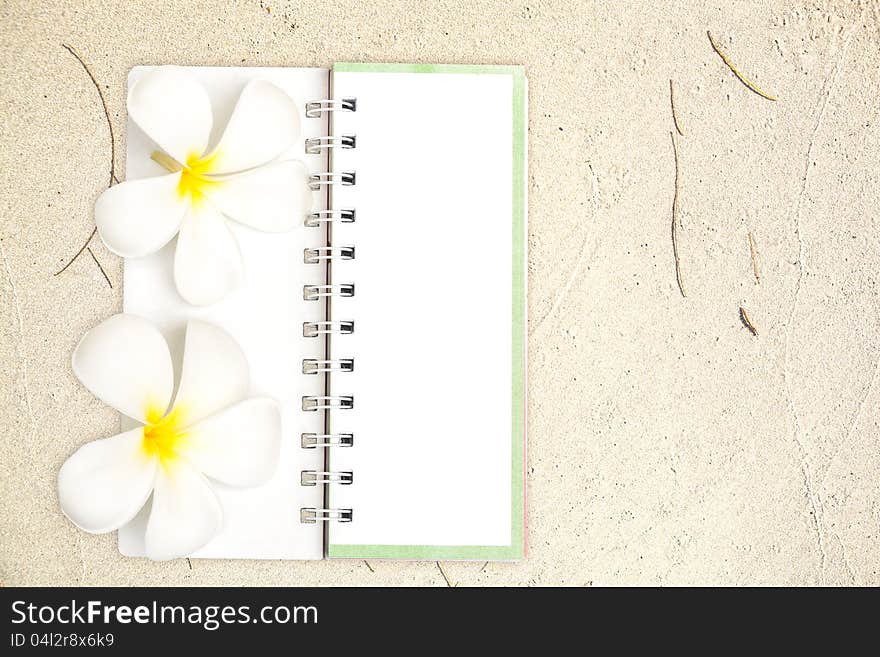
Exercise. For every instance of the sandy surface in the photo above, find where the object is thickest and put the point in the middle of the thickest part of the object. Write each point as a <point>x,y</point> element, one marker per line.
<point>667,444</point>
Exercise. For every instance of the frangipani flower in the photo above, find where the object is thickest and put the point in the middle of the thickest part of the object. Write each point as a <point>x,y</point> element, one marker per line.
<point>240,179</point>
<point>211,431</point>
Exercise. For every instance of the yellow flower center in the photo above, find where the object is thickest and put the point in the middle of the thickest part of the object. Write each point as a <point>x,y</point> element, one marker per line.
<point>195,177</point>
<point>164,436</point>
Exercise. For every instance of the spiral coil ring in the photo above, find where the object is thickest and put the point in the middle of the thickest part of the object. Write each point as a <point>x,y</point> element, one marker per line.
<point>315,292</point>
<point>314,329</point>
<point>327,402</point>
<point>319,180</point>
<point>311,515</point>
<point>313,440</point>
<point>314,477</point>
<point>316,255</point>
<point>315,219</point>
<point>314,145</point>
<point>314,366</point>
<point>315,108</point>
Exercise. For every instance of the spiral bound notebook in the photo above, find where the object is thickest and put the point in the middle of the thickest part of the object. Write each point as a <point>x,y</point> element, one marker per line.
<point>390,326</point>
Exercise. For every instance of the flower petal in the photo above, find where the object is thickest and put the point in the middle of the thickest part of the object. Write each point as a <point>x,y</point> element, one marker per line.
<point>185,513</point>
<point>139,217</point>
<point>239,446</point>
<point>273,198</point>
<point>170,105</point>
<point>125,362</point>
<point>207,262</point>
<point>106,482</point>
<point>264,124</point>
<point>215,373</point>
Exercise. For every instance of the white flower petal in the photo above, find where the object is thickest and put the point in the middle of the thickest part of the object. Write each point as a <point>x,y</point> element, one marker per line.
<point>273,198</point>
<point>174,110</point>
<point>239,446</point>
<point>125,362</point>
<point>264,124</point>
<point>207,261</point>
<point>215,373</point>
<point>139,217</point>
<point>106,482</point>
<point>185,514</point>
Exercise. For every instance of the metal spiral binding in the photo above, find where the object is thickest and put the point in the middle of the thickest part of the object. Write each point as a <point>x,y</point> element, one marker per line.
<point>314,329</point>
<point>314,256</point>
<point>314,145</point>
<point>318,180</point>
<point>315,292</point>
<point>315,108</point>
<point>311,515</point>
<point>313,440</point>
<point>325,256</point>
<point>314,477</point>
<point>327,402</point>
<point>314,366</point>
<point>315,219</point>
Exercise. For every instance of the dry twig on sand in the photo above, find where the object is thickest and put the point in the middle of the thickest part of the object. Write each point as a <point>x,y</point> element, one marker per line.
<point>443,572</point>
<point>744,318</point>
<point>674,114</point>
<point>113,178</point>
<point>675,221</point>
<point>106,277</point>
<point>751,85</point>
<point>754,251</point>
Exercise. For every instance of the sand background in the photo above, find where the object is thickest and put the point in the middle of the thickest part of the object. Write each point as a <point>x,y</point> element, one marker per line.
<point>667,444</point>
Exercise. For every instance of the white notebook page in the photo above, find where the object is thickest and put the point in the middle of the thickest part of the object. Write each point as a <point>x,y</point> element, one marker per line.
<point>432,455</point>
<point>265,315</point>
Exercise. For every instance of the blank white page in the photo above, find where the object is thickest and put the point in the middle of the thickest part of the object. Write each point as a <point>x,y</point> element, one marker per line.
<point>265,315</point>
<point>438,416</point>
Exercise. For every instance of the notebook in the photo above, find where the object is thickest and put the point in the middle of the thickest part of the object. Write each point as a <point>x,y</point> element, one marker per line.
<point>390,326</point>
